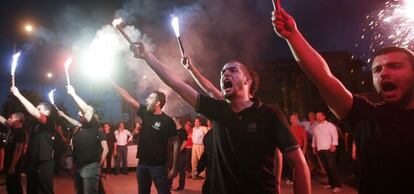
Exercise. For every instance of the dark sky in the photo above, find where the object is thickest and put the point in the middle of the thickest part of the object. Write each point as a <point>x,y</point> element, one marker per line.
<point>214,31</point>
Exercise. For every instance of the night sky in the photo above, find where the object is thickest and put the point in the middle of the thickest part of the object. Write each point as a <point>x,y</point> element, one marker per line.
<point>213,32</point>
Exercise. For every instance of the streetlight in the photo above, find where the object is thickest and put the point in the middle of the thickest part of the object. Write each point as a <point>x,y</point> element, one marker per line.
<point>28,28</point>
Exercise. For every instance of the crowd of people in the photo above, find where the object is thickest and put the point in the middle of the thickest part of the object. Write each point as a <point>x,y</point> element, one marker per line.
<point>239,148</point>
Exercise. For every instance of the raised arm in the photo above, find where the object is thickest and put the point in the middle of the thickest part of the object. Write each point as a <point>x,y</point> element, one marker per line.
<point>70,119</point>
<point>337,97</point>
<point>86,110</point>
<point>125,95</point>
<point>165,74</point>
<point>201,81</point>
<point>28,105</point>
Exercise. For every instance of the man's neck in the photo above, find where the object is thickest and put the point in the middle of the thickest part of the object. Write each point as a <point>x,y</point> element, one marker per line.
<point>237,104</point>
<point>157,111</point>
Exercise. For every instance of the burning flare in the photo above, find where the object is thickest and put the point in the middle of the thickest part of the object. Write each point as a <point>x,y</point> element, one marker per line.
<point>175,25</point>
<point>67,65</point>
<point>117,24</point>
<point>13,67</point>
<point>51,94</point>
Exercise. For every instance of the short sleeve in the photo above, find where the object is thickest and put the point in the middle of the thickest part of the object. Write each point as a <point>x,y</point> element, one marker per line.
<point>101,136</point>
<point>171,130</point>
<point>209,107</point>
<point>284,137</point>
<point>142,110</point>
<point>361,109</point>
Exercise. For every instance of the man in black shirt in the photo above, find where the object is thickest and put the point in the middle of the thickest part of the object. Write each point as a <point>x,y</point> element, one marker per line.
<point>384,130</point>
<point>110,139</point>
<point>157,129</point>
<point>14,152</point>
<point>182,136</point>
<point>89,147</point>
<point>241,123</point>
<point>40,163</point>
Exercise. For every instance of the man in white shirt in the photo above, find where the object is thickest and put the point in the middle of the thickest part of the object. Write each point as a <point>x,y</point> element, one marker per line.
<point>123,137</point>
<point>198,147</point>
<point>325,140</point>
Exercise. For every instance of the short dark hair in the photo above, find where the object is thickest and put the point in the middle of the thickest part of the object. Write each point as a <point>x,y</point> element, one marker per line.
<point>160,97</point>
<point>46,105</point>
<point>394,49</point>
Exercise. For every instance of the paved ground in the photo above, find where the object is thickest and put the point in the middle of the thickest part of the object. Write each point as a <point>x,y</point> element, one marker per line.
<point>126,184</point>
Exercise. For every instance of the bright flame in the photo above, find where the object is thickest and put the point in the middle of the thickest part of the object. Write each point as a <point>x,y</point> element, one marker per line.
<point>117,22</point>
<point>392,25</point>
<point>51,94</point>
<point>98,59</point>
<point>67,64</point>
<point>175,25</point>
<point>14,63</point>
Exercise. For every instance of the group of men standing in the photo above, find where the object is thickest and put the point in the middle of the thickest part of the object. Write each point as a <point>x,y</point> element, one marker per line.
<point>246,132</point>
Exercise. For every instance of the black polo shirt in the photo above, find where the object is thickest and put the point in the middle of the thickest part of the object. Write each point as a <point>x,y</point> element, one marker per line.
<point>244,144</point>
<point>154,135</point>
<point>16,136</point>
<point>41,142</point>
<point>87,143</point>
<point>384,136</point>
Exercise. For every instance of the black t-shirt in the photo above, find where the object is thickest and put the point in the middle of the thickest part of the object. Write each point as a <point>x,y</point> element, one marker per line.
<point>182,136</point>
<point>244,144</point>
<point>16,136</point>
<point>154,135</point>
<point>87,143</point>
<point>110,139</point>
<point>384,136</point>
<point>41,142</point>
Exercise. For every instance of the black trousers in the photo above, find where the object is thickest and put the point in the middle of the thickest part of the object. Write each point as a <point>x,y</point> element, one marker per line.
<point>328,162</point>
<point>40,178</point>
<point>14,183</point>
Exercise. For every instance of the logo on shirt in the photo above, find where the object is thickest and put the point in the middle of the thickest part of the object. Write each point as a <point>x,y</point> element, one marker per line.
<point>252,127</point>
<point>156,125</point>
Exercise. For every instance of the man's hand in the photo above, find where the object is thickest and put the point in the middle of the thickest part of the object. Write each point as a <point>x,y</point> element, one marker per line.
<point>138,49</point>
<point>314,151</point>
<point>71,90</point>
<point>61,113</point>
<point>2,120</point>
<point>15,91</point>
<point>332,148</point>
<point>172,173</point>
<point>283,24</point>
<point>185,61</point>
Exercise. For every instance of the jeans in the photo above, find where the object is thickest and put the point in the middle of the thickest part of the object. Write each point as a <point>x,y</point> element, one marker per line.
<point>87,179</point>
<point>181,170</point>
<point>146,174</point>
<point>121,156</point>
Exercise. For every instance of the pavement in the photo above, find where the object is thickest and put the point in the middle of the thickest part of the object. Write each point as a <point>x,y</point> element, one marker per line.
<point>127,184</point>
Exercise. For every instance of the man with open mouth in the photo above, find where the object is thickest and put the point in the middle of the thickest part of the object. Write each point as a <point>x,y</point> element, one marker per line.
<point>384,130</point>
<point>245,133</point>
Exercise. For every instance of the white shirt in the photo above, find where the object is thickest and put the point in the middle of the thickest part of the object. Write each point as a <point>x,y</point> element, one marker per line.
<point>325,135</point>
<point>122,137</point>
<point>198,134</point>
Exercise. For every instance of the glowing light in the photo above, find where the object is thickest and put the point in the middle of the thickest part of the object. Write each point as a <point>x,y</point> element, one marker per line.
<point>176,27</point>
<point>98,59</point>
<point>49,75</point>
<point>117,21</point>
<point>51,98</point>
<point>393,25</point>
<point>14,63</point>
<point>28,28</point>
<point>67,65</point>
